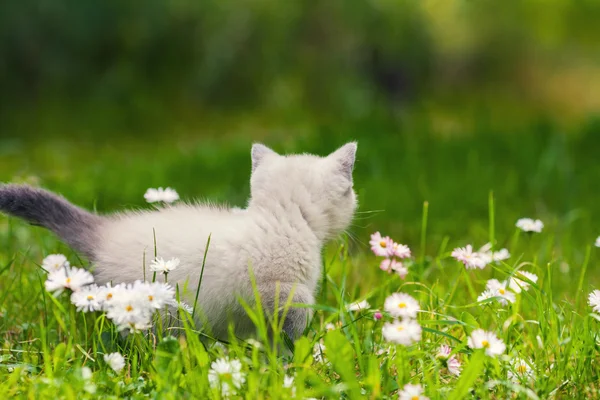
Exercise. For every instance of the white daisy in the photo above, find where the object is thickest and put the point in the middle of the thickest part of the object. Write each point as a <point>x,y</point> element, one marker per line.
<point>54,262</point>
<point>594,300</point>
<point>399,268</point>
<point>155,295</point>
<point>224,374</point>
<point>488,255</point>
<point>381,246</point>
<point>319,352</point>
<point>451,362</point>
<point>500,255</point>
<point>167,195</point>
<point>469,258</point>
<point>453,366</point>
<point>495,288</point>
<point>404,332</point>
<point>185,307</point>
<point>107,293</point>
<point>481,339</point>
<point>87,299</point>
<point>597,244</point>
<point>520,370</point>
<point>487,294</point>
<point>517,285</point>
<point>115,361</point>
<point>412,392</point>
<point>400,250</point>
<point>130,310</point>
<point>67,278</point>
<point>530,225</point>
<point>444,351</point>
<point>164,266</point>
<point>358,306</point>
<point>288,383</point>
<point>401,305</point>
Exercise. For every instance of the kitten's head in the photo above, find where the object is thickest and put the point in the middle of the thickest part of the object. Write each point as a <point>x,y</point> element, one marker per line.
<point>319,188</point>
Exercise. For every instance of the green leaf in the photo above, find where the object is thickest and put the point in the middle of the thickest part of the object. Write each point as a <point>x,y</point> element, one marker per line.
<point>341,355</point>
<point>469,376</point>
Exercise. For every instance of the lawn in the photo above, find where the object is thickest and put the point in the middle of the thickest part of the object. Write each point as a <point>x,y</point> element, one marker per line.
<point>432,192</point>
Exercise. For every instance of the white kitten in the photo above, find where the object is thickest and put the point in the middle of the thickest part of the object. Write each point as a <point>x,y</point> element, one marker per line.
<point>297,203</point>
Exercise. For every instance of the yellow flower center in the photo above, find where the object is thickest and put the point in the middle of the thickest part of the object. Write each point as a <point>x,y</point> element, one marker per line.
<point>383,243</point>
<point>522,368</point>
<point>90,297</point>
<point>150,297</point>
<point>400,328</point>
<point>415,398</point>
<point>109,296</point>
<point>68,280</point>
<point>227,375</point>
<point>502,291</point>
<point>402,305</point>
<point>129,308</point>
<point>485,344</point>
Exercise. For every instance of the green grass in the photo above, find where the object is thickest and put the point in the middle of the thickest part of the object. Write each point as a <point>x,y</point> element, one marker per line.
<point>432,193</point>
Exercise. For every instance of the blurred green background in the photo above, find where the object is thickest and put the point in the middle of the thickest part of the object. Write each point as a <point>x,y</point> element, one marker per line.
<point>448,99</point>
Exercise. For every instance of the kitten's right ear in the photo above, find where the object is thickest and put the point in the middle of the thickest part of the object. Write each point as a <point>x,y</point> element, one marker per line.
<point>259,151</point>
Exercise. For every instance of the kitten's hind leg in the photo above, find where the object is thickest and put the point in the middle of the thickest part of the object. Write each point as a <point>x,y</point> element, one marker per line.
<point>296,318</point>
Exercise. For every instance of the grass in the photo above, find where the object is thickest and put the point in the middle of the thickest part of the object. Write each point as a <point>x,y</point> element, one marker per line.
<point>436,194</point>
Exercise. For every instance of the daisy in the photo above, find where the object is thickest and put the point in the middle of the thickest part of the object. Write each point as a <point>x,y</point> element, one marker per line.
<point>288,383</point>
<point>594,300</point>
<point>451,362</point>
<point>520,370</point>
<point>404,332</point>
<point>319,352</point>
<point>481,339</point>
<point>115,361</point>
<point>155,295</point>
<point>380,245</point>
<point>401,305</point>
<point>399,250</point>
<point>358,306</point>
<point>130,310</point>
<point>164,266</point>
<point>67,278</point>
<point>517,285</point>
<point>107,293</point>
<point>597,244</point>
<point>486,253</point>
<point>185,307</point>
<point>469,258</point>
<point>487,294</point>
<point>529,225</point>
<point>399,268</point>
<point>500,290</point>
<point>444,351</point>
<point>453,365</point>
<point>412,392</point>
<point>54,262</point>
<point>87,299</point>
<point>167,195</point>
<point>225,373</point>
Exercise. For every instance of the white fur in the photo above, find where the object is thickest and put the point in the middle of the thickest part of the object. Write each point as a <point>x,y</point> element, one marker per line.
<point>297,203</point>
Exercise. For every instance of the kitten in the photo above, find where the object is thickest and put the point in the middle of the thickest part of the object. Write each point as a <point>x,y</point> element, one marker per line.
<point>297,203</point>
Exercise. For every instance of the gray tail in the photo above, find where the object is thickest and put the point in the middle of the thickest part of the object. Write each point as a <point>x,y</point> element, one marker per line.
<point>72,224</point>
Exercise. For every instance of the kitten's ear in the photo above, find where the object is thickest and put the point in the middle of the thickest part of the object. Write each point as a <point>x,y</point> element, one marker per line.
<point>344,157</point>
<point>259,151</point>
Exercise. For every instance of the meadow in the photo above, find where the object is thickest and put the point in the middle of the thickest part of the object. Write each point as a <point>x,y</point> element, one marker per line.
<point>433,193</point>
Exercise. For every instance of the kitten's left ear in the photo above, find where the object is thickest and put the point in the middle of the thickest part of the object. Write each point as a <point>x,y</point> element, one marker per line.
<point>345,157</point>
<point>259,151</point>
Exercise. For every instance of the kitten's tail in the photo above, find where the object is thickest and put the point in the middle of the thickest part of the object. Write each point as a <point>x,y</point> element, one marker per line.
<point>72,224</point>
